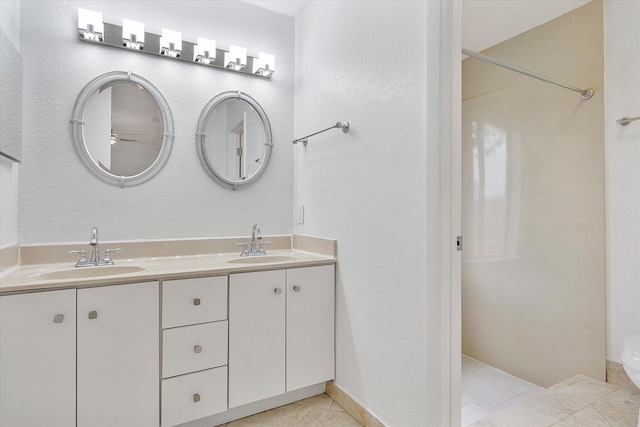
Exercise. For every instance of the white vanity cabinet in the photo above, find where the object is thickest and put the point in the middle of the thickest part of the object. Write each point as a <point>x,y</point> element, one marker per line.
<point>38,359</point>
<point>118,355</point>
<point>281,331</point>
<point>194,349</point>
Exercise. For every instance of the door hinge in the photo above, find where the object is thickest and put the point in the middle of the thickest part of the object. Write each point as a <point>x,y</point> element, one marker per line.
<point>459,243</point>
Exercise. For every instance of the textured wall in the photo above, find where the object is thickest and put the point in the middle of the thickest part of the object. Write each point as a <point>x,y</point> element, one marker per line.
<point>59,200</point>
<point>371,189</point>
<point>622,84</point>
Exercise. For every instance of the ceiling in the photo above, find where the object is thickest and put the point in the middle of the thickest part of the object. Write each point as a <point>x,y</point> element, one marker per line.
<point>485,23</point>
<point>284,7</point>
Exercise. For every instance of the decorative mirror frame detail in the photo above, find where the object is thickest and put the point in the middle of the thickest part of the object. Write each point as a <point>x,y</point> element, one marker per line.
<point>201,139</point>
<point>77,124</point>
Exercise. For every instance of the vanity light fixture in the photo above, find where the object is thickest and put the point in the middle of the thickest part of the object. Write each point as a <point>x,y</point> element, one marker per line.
<point>132,37</point>
<point>205,51</point>
<point>132,34</point>
<point>171,43</point>
<point>90,25</point>
<point>264,65</point>
<point>236,58</point>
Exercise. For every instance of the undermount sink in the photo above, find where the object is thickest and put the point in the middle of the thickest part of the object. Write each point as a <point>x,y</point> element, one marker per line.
<point>88,272</point>
<point>264,259</point>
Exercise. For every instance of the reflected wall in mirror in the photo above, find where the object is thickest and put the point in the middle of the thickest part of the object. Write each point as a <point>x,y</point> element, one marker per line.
<point>122,128</point>
<point>10,82</point>
<point>234,139</point>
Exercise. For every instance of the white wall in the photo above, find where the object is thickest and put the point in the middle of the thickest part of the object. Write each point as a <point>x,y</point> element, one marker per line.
<point>374,189</point>
<point>59,200</point>
<point>622,99</point>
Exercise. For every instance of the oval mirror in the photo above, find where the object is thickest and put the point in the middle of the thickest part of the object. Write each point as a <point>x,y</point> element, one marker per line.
<point>234,139</point>
<point>122,128</point>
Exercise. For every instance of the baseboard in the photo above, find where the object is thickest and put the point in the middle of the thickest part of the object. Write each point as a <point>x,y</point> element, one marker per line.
<point>616,375</point>
<point>353,408</point>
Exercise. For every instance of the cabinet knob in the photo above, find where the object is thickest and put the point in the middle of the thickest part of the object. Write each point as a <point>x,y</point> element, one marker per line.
<point>196,398</point>
<point>58,318</point>
<point>278,291</point>
<point>93,315</point>
<point>296,288</point>
<point>196,301</point>
<point>197,349</point>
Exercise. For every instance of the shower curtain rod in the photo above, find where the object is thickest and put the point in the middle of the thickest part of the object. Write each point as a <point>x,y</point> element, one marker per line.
<point>586,93</point>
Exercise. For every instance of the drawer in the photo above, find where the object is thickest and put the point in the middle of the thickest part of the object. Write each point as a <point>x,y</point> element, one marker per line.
<point>193,396</point>
<point>194,348</point>
<point>191,301</point>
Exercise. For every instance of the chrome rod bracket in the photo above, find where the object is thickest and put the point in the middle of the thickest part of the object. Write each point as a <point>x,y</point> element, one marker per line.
<point>587,94</point>
<point>626,120</point>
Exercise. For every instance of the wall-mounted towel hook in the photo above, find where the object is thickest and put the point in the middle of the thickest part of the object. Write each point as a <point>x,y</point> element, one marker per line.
<point>340,125</point>
<point>626,120</point>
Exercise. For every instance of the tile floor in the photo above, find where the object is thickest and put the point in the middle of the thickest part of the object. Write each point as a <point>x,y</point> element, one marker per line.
<point>579,401</point>
<point>494,399</point>
<point>316,411</point>
<point>487,390</point>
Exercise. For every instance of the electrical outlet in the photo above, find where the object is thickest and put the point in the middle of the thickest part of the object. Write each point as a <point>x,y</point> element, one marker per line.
<point>300,214</point>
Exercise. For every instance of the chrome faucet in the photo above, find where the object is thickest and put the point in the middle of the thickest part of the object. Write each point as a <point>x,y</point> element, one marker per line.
<point>256,234</point>
<point>95,256</point>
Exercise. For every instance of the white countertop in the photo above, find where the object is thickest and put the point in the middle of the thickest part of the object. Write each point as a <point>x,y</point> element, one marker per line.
<point>34,277</point>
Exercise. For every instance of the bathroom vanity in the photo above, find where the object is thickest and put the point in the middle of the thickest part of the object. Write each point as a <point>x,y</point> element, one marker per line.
<point>200,339</point>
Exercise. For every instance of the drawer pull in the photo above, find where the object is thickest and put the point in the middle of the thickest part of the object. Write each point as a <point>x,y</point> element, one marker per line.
<point>278,291</point>
<point>93,315</point>
<point>58,318</point>
<point>296,288</point>
<point>196,301</point>
<point>197,349</point>
<point>196,398</point>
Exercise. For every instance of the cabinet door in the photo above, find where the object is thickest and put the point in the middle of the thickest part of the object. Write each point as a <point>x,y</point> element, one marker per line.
<point>38,359</point>
<point>256,336</point>
<point>119,356</point>
<point>310,326</point>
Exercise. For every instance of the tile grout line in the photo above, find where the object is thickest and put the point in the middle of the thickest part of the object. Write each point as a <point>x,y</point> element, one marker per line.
<point>603,415</point>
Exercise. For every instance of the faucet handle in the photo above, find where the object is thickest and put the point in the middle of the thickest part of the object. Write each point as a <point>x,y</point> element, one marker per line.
<point>82,254</point>
<point>107,255</point>
<point>243,245</point>
<point>261,247</point>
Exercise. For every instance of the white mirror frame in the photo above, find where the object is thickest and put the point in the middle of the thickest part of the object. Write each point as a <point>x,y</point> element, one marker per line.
<point>201,137</point>
<point>77,123</point>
